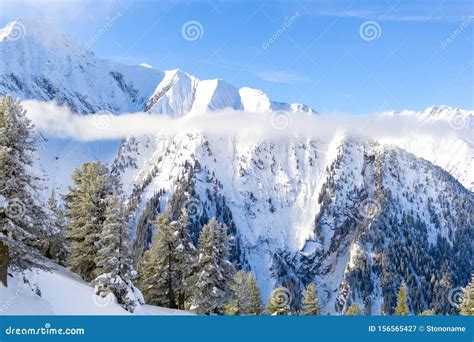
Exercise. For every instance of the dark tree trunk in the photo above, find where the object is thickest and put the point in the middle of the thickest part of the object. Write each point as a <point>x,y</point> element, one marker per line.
<point>4,263</point>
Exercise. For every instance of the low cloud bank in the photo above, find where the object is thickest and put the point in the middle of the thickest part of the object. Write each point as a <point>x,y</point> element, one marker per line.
<point>58,121</point>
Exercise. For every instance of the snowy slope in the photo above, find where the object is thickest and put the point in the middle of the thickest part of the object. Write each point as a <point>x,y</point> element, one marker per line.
<point>289,198</point>
<point>61,292</point>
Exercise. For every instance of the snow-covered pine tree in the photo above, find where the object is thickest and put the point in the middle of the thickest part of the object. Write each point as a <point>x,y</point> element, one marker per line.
<point>212,282</point>
<point>353,310</point>
<point>428,312</point>
<point>185,256</point>
<point>240,303</point>
<point>158,268</point>
<point>402,305</point>
<point>86,203</point>
<point>22,217</point>
<point>255,299</point>
<point>467,304</point>
<point>310,301</point>
<point>57,245</point>
<point>246,296</point>
<point>113,260</point>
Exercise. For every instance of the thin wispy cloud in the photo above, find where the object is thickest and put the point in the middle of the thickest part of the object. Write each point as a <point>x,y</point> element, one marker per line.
<point>278,76</point>
<point>58,121</point>
<point>401,11</point>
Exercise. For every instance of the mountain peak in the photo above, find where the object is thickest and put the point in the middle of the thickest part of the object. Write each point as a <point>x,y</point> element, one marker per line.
<point>31,27</point>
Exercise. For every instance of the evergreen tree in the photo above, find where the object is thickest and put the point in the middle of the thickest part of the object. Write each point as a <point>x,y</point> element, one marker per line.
<point>57,245</point>
<point>212,282</point>
<point>402,305</point>
<point>255,299</point>
<point>428,313</point>
<point>353,310</point>
<point>467,304</point>
<point>240,303</point>
<point>86,203</point>
<point>185,256</point>
<point>246,296</point>
<point>22,217</point>
<point>113,260</point>
<point>167,268</point>
<point>310,301</point>
<point>159,268</point>
<point>279,302</point>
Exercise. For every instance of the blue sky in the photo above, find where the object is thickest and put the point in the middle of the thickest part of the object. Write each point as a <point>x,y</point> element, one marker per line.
<point>319,54</point>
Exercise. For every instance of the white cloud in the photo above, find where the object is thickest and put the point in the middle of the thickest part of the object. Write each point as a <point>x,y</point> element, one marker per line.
<point>59,121</point>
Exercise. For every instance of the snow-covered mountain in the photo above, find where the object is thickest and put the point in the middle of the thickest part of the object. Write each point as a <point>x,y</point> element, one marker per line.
<point>39,61</point>
<point>355,216</point>
<point>180,93</point>
<point>454,152</point>
<point>305,210</point>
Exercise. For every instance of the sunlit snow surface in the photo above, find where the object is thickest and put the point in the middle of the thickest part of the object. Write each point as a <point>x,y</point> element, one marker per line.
<point>60,292</point>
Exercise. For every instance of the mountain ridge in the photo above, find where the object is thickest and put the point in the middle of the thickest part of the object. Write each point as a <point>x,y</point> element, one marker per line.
<point>115,87</point>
